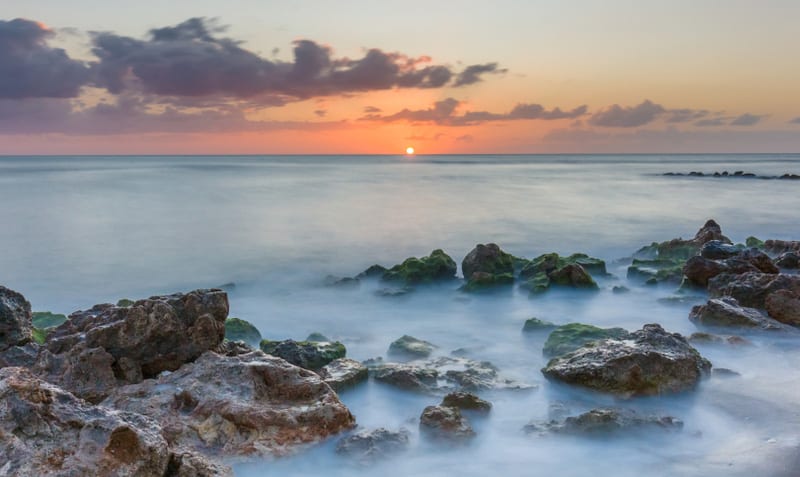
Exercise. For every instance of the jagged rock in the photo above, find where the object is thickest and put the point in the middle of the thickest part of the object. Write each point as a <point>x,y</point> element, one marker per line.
<point>658,269</point>
<point>466,402</point>
<point>569,337</point>
<point>445,423</point>
<point>751,289</point>
<point>237,329</point>
<point>483,281</point>
<point>777,247</point>
<point>374,271</point>
<point>343,373</point>
<point>699,270</point>
<point>445,374</point>
<point>551,269</point>
<point>680,249</point>
<point>23,356</point>
<point>572,275</point>
<point>369,446</point>
<point>15,319</point>
<point>108,345</point>
<point>315,336</point>
<point>183,463</point>
<point>535,324</point>
<point>342,282</point>
<point>784,306</point>
<point>251,404</point>
<point>718,250</point>
<point>605,421</point>
<point>435,267</point>
<point>646,362</point>
<point>728,313</point>
<point>233,348</point>
<point>44,430</point>
<point>708,338</point>
<point>788,260</point>
<point>311,355</point>
<point>489,259</point>
<point>409,347</point>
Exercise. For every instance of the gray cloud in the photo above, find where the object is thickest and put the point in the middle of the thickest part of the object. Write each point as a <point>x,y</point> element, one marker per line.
<point>372,110</point>
<point>472,74</point>
<point>444,113</point>
<point>617,116</point>
<point>29,68</point>
<point>686,115</point>
<point>712,122</point>
<point>746,119</point>
<point>795,120</point>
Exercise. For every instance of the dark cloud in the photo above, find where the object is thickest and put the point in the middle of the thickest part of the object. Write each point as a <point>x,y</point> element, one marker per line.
<point>472,73</point>
<point>617,116</point>
<point>795,120</point>
<point>320,112</point>
<point>712,122</point>
<point>192,59</point>
<point>747,119</point>
<point>372,110</point>
<point>686,115</point>
<point>444,113</point>
<point>29,68</point>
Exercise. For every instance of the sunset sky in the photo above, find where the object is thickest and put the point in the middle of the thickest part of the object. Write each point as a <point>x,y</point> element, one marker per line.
<point>324,77</point>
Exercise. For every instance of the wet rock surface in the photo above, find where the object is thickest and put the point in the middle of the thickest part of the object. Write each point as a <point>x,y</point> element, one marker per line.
<point>650,361</point>
<point>369,446</point>
<point>728,313</point>
<point>445,423</point>
<point>246,405</point>
<point>604,422</point>
<point>343,373</point>
<point>311,355</point>
<point>751,289</point>
<point>15,319</point>
<point>699,270</point>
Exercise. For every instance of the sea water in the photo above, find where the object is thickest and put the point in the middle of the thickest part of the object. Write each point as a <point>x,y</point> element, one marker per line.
<point>83,230</point>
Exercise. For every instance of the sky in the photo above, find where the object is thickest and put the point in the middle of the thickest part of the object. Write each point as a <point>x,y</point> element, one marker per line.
<point>376,77</point>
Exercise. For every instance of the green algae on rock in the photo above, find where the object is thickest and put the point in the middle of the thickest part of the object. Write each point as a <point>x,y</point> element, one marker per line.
<point>535,324</point>
<point>569,337</point>
<point>237,329</point>
<point>435,267</point>
<point>311,355</point>
<point>46,319</point>
<point>551,269</point>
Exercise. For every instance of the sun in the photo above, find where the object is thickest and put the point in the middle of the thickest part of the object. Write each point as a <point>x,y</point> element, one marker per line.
<point>409,151</point>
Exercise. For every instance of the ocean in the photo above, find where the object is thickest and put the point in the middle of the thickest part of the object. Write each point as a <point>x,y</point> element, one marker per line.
<point>83,230</point>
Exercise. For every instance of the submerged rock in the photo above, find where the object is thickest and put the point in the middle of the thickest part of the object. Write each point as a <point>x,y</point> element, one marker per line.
<point>646,362</point>
<point>483,281</point>
<point>606,421</point>
<point>435,267</point>
<point>658,269</point>
<point>551,269</point>
<point>409,347</point>
<point>751,289</point>
<point>488,259</point>
<point>247,405</point>
<point>237,329</point>
<point>368,446</point>
<point>445,423</point>
<point>567,338</point>
<point>341,282</point>
<point>535,324</point>
<point>466,402</point>
<point>727,313</point>
<point>44,430</point>
<point>311,355</point>
<point>343,373</point>
<point>374,271</point>
<point>15,319</point>
<point>777,247</point>
<point>708,338</point>
<point>106,346</point>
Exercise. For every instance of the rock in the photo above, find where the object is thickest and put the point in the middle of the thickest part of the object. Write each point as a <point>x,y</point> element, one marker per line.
<point>751,289</point>
<point>727,313</point>
<point>15,319</point>
<point>22,356</point>
<point>466,402</point>
<point>535,324</point>
<point>718,250</point>
<point>311,355</point>
<point>650,361</point>
<point>569,337</point>
<point>606,421</point>
<point>435,267</point>
<point>699,270</point>
<point>784,306</point>
<point>124,302</point>
<point>488,259</point>
<point>572,275</point>
<point>341,282</point>
<point>240,330</point>
<point>247,405</point>
<point>658,269</point>
<point>233,348</point>
<point>445,374</point>
<point>343,373</point>
<point>777,247</point>
<point>394,291</point>
<point>708,338</point>
<point>409,347</point>
<point>375,271</point>
<point>551,269</point>
<point>619,289</point>
<point>753,242</point>
<point>44,430</point>
<point>185,463</point>
<point>369,446</point>
<point>46,319</point>
<point>482,281</point>
<point>724,373</point>
<point>107,345</point>
<point>445,423</point>
<point>315,336</point>
<point>789,260</point>
<point>680,249</point>
<point>708,232</point>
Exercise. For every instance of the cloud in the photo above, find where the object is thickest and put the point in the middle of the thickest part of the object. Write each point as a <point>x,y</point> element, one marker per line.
<point>617,116</point>
<point>472,74</point>
<point>192,59</point>
<point>444,113</point>
<point>795,120</point>
<point>465,138</point>
<point>372,110</point>
<point>320,112</point>
<point>746,119</point>
<point>29,68</point>
<point>686,115</point>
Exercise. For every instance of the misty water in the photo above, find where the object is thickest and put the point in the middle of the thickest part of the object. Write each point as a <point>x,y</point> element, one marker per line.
<point>83,230</point>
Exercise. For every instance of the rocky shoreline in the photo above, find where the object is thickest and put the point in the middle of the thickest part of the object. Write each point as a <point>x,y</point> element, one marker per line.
<point>171,386</point>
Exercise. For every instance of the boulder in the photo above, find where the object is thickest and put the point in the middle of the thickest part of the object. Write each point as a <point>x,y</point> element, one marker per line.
<point>240,330</point>
<point>680,249</point>
<point>15,319</point>
<point>183,463</point>
<point>369,446</point>
<point>567,338</point>
<point>489,259</point>
<point>708,338</point>
<point>483,281</point>
<point>343,373</point>
<point>408,347</point>
<point>445,423</point>
<point>659,269</point>
<point>784,306</point>
<point>788,260</point>
<point>22,356</point>
<point>728,313</point>
<point>718,250</point>
<point>572,275</point>
<point>247,405</point>
<point>311,355</point>
<point>535,324</point>
<point>699,270</point>
<point>466,402</point>
<point>650,361</point>
<point>606,421</point>
<point>109,345</point>
<point>45,430</point>
<point>751,289</point>
<point>437,266</point>
<point>778,247</point>
<point>551,269</point>
<point>374,271</point>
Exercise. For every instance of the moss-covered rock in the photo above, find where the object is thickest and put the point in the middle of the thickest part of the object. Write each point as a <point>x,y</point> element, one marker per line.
<point>46,319</point>
<point>551,269</point>
<point>240,330</point>
<point>435,267</point>
<point>311,355</point>
<point>535,324</point>
<point>38,335</point>
<point>488,259</point>
<point>482,281</point>
<point>659,269</point>
<point>317,337</point>
<point>753,242</point>
<point>569,337</point>
<point>124,302</point>
<point>374,271</point>
<point>410,347</point>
